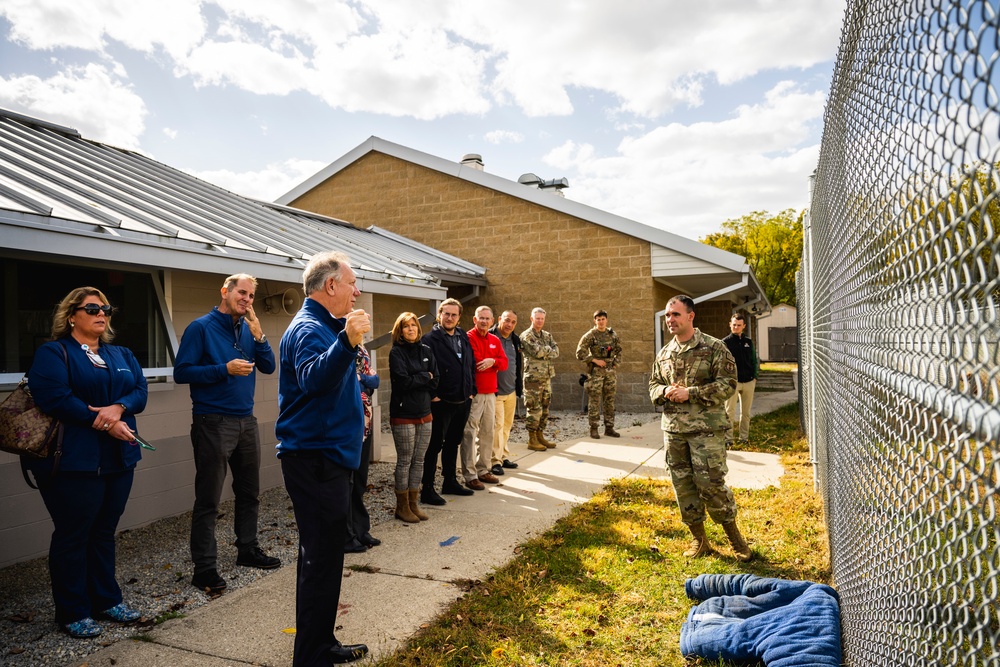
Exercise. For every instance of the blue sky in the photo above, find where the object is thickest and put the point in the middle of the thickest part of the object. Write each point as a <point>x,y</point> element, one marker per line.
<point>677,114</point>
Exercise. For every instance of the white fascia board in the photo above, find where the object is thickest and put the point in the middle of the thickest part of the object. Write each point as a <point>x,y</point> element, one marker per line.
<point>159,252</point>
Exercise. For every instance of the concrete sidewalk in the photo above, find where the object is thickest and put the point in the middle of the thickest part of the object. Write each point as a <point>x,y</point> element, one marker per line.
<point>409,579</point>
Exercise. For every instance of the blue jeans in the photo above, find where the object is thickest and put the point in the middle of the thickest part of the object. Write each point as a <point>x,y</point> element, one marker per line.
<point>85,509</point>
<point>221,442</point>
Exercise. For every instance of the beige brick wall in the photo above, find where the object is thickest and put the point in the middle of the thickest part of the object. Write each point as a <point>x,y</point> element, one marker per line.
<point>534,256</point>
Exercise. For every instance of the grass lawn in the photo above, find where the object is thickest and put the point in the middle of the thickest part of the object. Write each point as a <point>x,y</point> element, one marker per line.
<point>605,586</point>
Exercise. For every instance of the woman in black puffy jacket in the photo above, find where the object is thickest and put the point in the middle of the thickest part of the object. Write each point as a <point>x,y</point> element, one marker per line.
<point>414,377</point>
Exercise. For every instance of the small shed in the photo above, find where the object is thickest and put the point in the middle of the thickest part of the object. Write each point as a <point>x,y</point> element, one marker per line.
<point>777,334</point>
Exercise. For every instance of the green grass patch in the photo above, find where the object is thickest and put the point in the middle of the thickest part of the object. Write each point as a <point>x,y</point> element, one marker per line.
<point>167,616</point>
<point>605,586</point>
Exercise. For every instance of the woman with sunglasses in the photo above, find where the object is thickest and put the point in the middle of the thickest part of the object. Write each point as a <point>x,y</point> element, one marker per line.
<point>95,389</point>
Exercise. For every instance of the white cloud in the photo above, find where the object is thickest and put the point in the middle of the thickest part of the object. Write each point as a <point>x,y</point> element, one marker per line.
<point>249,66</point>
<point>690,178</point>
<point>653,56</point>
<point>503,137</point>
<point>91,99</point>
<point>87,24</point>
<point>427,60</point>
<point>267,184</point>
<point>170,133</point>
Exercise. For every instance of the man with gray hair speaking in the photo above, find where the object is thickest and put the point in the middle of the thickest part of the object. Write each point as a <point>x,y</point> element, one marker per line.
<point>321,429</point>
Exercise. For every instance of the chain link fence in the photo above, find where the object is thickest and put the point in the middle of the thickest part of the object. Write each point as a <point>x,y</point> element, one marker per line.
<point>898,300</point>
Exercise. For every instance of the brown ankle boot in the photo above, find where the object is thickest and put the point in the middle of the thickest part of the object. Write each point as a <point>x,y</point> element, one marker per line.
<point>414,495</point>
<point>740,547</point>
<point>545,443</point>
<point>403,512</point>
<point>611,432</point>
<point>699,545</point>
<point>594,434</point>
<point>533,443</point>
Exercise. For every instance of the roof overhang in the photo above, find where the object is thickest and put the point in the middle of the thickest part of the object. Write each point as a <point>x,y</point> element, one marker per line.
<point>30,233</point>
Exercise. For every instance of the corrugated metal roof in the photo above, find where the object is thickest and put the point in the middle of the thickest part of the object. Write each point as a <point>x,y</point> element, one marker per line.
<point>53,180</point>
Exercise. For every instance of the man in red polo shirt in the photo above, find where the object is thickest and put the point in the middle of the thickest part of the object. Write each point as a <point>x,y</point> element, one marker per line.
<point>490,358</point>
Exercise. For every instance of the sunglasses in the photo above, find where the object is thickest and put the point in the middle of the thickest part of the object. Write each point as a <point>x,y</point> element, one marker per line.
<point>94,309</point>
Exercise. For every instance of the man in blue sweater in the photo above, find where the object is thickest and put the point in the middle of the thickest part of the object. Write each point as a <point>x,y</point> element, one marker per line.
<point>321,428</point>
<point>218,356</point>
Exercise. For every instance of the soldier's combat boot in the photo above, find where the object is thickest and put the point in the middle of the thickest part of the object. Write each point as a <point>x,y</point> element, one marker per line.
<point>740,547</point>
<point>593,432</point>
<point>699,545</point>
<point>545,443</point>
<point>533,443</point>
<point>611,432</point>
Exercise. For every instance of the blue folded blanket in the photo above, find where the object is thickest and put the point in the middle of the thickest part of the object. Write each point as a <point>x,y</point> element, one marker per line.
<point>745,617</point>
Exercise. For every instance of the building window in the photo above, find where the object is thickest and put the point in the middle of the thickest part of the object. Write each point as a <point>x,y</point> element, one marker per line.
<point>30,291</point>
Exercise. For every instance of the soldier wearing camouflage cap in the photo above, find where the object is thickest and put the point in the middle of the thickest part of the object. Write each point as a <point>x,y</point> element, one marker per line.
<point>601,350</point>
<point>539,349</point>
<point>692,377</point>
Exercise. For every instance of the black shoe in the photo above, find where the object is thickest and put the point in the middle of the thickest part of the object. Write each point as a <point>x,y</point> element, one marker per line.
<point>453,488</point>
<point>354,546</point>
<point>342,653</point>
<point>369,541</point>
<point>209,580</point>
<point>510,465</point>
<point>428,496</point>
<point>255,557</point>
<point>497,470</point>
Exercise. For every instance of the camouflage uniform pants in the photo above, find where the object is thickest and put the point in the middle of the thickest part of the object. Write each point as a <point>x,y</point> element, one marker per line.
<point>601,387</point>
<point>537,394</point>
<point>697,463</point>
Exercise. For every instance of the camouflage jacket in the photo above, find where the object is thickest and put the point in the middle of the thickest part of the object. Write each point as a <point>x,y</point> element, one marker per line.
<point>597,344</point>
<point>539,350</point>
<point>705,366</point>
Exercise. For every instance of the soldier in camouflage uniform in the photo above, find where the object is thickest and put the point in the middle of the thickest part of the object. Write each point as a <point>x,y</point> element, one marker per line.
<point>539,349</point>
<point>692,377</point>
<point>602,352</point>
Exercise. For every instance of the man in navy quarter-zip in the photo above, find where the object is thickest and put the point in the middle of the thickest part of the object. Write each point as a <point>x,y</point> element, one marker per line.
<point>218,356</point>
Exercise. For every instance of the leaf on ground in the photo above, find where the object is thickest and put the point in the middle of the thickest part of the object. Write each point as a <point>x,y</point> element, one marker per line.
<point>22,617</point>
<point>289,631</point>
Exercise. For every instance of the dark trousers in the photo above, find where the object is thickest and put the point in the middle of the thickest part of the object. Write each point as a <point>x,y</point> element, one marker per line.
<point>85,509</point>
<point>319,490</point>
<point>221,442</point>
<point>358,522</point>
<point>447,428</point>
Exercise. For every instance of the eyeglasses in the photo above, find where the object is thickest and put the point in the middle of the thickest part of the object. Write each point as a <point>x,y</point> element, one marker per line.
<point>236,346</point>
<point>94,309</point>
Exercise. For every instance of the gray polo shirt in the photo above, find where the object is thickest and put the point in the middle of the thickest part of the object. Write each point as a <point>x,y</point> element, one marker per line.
<point>507,380</point>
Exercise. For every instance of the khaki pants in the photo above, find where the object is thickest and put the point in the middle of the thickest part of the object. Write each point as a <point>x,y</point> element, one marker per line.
<point>479,427</point>
<point>744,394</point>
<point>504,420</point>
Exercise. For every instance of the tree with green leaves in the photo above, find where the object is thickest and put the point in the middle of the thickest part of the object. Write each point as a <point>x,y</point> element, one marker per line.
<point>772,246</point>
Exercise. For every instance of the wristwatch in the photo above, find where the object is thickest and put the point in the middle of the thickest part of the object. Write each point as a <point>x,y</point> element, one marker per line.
<point>263,337</point>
